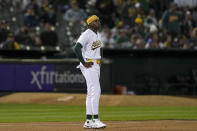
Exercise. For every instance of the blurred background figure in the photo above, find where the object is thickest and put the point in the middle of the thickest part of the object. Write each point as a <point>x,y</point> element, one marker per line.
<point>10,43</point>
<point>187,24</point>
<point>171,20</point>
<point>122,41</point>
<point>107,12</point>
<point>106,37</point>
<point>49,37</point>
<point>139,27</point>
<point>49,16</point>
<point>3,31</point>
<point>140,44</point>
<point>30,17</point>
<point>193,40</point>
<point>34,4</point>
<point>151,19</point>
<point>128,12</point>
<point>168,42</point>
<point>74,13</point>
<point>22,35</point>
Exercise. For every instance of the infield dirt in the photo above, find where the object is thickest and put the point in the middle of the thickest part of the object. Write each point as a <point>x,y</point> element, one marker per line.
<point>106,100</point>
<point>164,125</point>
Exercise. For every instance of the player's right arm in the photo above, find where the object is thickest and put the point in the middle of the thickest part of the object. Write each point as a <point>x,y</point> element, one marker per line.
<point>77,49</point>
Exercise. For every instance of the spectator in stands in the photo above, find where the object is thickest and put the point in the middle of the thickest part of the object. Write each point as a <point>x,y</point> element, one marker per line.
<point>194,14</point>
<point>45,5</point>
<point>193,40</point>
<point>74,13</point>
<point>115,29</point>
<point>160,6</point>
<point>22,35</point>
<point>163,34</point>
<point>171,20</point>
<point>64,6</point>
<point>3,31</point>
<point>49,16</point>
<point>123,40</point>
<point>37,41</point>
<point>139,27</point>
<point>153,42</point>
<point>30,18</point>
<point>35,6</point>
<point>106,37</point>
<point>133,40</point>
<point>128,12</point>
<point>10,43</point>
<point>25,3</point>
<point>182,42</point>
<point>107,11</point>
<point>168,43</point>
<point>144,6</point>
<point>49,37</point>
<point>139,11</point>
<point>140,44</point>
<point>34,40</point>
<point>187,24</point>
<point>151,19</point>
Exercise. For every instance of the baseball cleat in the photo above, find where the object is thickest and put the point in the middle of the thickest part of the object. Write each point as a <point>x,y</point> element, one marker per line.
<point>98,124</point>
<point>88,124</point>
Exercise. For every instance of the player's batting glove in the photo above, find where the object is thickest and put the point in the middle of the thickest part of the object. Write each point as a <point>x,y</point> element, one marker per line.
<point>88,64</point>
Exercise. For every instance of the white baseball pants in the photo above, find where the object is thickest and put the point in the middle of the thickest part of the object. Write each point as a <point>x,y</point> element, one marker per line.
<point>92,76</point>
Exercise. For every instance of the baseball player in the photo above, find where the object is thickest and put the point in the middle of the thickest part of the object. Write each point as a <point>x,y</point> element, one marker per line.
<point>88,50</point>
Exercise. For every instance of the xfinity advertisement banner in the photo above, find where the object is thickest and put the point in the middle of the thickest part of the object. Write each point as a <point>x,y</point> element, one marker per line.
<point>7,77</point>
<point>69,78</point>
<point>34,77</point>
<point>41,77</point>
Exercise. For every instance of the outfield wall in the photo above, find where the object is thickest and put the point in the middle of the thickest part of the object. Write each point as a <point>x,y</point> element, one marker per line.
<point>159,72</point>
<point>156,71</point>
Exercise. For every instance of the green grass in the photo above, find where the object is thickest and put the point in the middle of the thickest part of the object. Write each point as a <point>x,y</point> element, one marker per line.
<point>61,113</point>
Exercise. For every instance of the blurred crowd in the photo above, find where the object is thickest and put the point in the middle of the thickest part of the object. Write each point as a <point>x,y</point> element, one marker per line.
<point>151,24</point>
<point>135,24</point>
<point>36,28</point>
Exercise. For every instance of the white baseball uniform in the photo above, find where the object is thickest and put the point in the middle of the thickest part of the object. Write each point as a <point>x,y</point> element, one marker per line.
<point>91,43</point>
